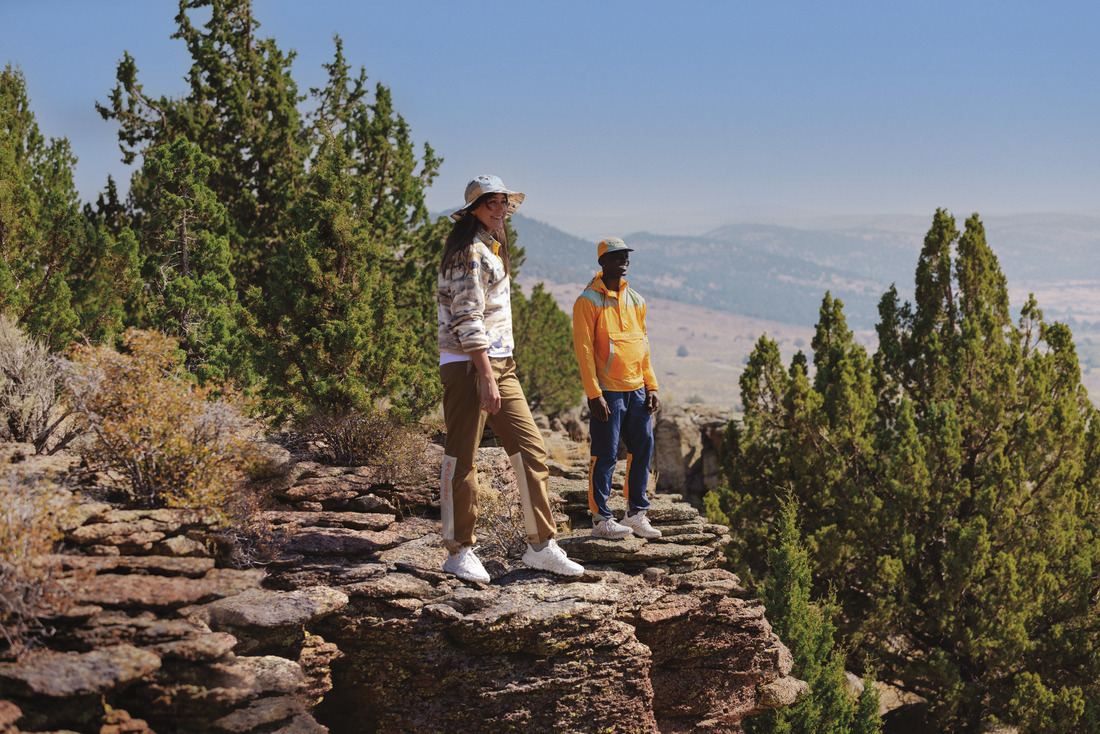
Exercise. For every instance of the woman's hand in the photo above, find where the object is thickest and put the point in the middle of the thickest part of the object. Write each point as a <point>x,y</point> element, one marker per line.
<point>490,393</point>
<point>487,384</point>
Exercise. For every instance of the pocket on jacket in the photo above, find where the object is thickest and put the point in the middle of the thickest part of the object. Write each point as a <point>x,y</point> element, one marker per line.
<point>624,362</point>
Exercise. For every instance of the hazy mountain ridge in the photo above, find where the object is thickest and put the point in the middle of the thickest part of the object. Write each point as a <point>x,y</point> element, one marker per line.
<point>781,273</point>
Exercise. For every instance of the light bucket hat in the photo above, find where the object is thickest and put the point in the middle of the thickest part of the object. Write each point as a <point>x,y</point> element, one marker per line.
<point>486,184</point>
<point>611,244</point>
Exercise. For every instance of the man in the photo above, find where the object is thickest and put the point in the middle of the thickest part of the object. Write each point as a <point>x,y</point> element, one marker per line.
<point>609,338</point>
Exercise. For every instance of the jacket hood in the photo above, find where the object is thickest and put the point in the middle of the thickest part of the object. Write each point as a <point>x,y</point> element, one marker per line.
<point>597,284</point>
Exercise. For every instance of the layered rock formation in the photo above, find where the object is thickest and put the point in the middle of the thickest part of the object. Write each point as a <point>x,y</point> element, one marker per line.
<point>358,630</point>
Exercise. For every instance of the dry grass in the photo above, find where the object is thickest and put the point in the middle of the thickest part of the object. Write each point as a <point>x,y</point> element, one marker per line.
<point>500,520</point>
<point>565,451</point>
<point>374,439</point>
<point>29,509</point>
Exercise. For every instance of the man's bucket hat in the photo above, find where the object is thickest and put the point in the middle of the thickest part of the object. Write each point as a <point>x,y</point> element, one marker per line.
<point>611,244</point>
<point>486,184</point>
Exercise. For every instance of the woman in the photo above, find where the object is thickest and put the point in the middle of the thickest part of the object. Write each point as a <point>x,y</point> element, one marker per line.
<point>480,384</point>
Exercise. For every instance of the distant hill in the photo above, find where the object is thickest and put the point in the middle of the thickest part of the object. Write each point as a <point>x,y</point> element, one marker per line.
<point>781,273</point>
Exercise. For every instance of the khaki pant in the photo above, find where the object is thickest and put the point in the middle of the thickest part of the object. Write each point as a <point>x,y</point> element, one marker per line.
<point>520,437</point>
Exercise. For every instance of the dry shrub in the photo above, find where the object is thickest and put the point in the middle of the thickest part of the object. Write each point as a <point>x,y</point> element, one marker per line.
<point>29,508</point>
<point>500,520</point>
<point>175,443</point>
<point>376,439</point>
<point>500,527</point>
<point>29,381</point>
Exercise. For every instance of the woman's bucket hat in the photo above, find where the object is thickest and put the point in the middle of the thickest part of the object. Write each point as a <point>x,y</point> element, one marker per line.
<point>486,184</point>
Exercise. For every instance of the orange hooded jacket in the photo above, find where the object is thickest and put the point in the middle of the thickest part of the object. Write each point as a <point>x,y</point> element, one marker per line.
<point>610,341</point>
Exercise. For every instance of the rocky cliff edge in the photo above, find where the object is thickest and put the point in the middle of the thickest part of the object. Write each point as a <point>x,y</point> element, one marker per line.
<point>356,628</point>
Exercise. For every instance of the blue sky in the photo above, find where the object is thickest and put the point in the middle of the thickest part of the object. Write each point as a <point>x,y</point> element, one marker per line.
<point>674,117</point>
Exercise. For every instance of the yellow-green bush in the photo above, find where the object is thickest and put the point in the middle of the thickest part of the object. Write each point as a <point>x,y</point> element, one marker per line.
<point>173,443</point>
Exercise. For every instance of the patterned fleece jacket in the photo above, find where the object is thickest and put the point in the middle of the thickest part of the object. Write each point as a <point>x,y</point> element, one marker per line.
<point>475,308</point>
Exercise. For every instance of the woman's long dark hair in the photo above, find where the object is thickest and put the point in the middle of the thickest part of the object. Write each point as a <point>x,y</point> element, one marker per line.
<point>457,251</point>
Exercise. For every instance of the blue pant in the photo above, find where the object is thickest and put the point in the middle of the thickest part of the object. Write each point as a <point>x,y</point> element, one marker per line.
<point>628,419</point>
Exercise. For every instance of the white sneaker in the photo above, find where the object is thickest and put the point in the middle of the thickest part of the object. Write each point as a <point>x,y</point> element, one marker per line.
<point>552,559</point>
<point>639,525</point>
<point>466,566</point>
<point>610,529</point>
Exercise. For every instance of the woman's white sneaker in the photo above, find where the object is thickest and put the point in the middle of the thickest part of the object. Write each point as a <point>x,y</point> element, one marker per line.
<point>639,525</point>
<point>553,559</point>
<point>466,566</point>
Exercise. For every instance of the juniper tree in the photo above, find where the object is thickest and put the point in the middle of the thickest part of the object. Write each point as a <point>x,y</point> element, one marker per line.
<point>241,110</point>
<point>105,274</point>
<point>389,183</point>
<point>326,333</point>
<point>808,630</point>
<point>948,488</point>
<point>543,335</point>
<point>185,251</point>
<point>45,240</point>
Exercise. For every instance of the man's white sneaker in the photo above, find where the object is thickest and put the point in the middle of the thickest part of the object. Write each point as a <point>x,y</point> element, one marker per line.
<point>552,559</point>
<point>466,566</point>
<point>610,529</point>
<point>639,525</point>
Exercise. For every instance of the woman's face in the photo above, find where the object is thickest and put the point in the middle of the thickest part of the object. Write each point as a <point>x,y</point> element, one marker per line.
<point>492,211</point>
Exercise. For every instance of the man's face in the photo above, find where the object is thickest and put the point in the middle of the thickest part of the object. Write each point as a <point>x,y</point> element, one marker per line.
<point>615,263</point>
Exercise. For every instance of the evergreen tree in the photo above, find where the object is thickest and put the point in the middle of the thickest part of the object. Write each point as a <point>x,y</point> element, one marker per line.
<point>106,275</point>
<point>948,489</point>
<point>808,631</point>
<point>388,186</point>
<point>241,111</point>
<point>326,332</point>
<point>186,263</point>
<point>543,334</point>
<point>45,241</point>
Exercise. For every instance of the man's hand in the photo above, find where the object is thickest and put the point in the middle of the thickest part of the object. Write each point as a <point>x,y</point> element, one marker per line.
<point>598,407</point>
<point>652,402</point>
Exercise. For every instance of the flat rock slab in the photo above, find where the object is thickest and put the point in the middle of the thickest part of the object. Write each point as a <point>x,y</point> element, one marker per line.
<point>264,608</point>
<point>63,674</point>
<point>160,565</point>
<point>159,592</point>
<point>354,520</point>
<point>200,648</point>
<point>263,715</point>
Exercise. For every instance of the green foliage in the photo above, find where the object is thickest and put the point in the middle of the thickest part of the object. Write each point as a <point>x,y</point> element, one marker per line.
<point>241,111</point>
<point>386,186</point>
<point>257,156</point>
<point>186,263</point>
<point>45,241</point>
<point>325,332</point>
<point>808,630</point>
<point>543,334</point>
<point>948,488</point>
